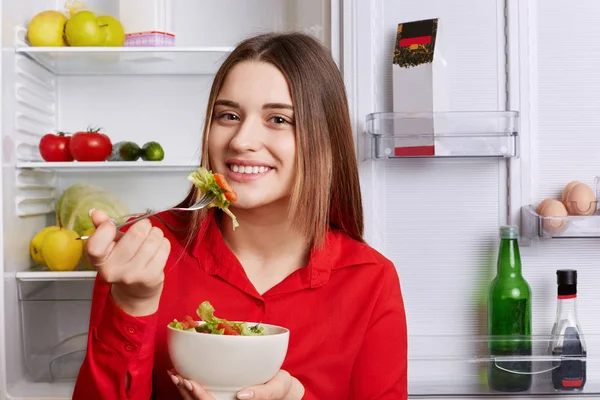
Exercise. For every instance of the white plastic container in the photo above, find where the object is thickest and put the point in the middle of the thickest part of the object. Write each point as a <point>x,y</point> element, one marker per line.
<point>147,22</point>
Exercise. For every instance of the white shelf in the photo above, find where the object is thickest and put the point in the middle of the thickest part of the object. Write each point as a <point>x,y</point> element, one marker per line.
<point>45,275</point>
<point>108,166</point>
<point>127,60</point>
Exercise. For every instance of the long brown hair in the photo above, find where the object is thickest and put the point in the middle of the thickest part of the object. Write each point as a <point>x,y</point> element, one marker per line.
<point>326,191</point>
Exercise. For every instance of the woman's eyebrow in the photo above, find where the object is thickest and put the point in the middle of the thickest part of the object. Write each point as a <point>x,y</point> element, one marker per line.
<point>278,106</point>
<point>227,103</point>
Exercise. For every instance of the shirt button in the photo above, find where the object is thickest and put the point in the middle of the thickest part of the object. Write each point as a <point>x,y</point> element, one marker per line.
<point>131,329</point>
<point>129,347</point>
<point>258,302</point>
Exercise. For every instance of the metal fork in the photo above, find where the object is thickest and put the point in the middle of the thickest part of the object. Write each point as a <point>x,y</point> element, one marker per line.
<point>204,201</point>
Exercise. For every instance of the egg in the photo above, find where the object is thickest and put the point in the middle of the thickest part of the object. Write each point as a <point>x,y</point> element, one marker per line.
<point>566,191</point>
<point>541,206</point>
<point>553,208</point>
<point>581,200</point>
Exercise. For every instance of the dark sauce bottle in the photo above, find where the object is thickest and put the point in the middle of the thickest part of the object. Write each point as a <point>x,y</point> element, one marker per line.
<point>567,338</point>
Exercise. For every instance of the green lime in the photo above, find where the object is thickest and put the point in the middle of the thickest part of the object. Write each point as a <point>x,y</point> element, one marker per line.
<point>125,151</point>
<point>152,151</point>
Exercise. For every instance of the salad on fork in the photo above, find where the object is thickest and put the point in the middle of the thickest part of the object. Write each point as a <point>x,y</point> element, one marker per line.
<point>208,182</point>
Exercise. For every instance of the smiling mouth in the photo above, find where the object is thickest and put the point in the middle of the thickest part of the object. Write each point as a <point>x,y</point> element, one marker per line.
<point>248,169</point>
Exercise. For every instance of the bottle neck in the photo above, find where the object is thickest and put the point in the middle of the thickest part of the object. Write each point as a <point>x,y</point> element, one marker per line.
<point>509,258</point>
<point>566,308</point>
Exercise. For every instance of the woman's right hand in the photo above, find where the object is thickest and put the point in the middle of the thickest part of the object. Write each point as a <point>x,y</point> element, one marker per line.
<point>132,261</point>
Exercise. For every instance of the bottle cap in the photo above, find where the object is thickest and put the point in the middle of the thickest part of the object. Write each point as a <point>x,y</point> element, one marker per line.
<point>566,277</point>
<point>509,232</point>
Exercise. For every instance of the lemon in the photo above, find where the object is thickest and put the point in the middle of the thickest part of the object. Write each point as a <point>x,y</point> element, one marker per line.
<point>35,246</point>
<point>61,251</point>
<point>84,259</point>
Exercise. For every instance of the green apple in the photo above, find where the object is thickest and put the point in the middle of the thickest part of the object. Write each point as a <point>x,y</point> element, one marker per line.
<point>114,34</point>
<point>82,29</point>
<point>47,29</point>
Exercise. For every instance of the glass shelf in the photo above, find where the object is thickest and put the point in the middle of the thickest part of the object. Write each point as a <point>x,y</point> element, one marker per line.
<point>456,366</point>
<point>109,166</point>
<point>536,226</point>
<point>442,134</point>
<point>47,275</point>
<point>127,60</point>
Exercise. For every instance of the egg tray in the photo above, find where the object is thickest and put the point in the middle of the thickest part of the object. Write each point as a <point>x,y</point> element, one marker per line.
<point>571,226</point>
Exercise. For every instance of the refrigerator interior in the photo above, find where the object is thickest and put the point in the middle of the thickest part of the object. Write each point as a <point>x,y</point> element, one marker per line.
<point>436,218</point>
<point>148,96</point>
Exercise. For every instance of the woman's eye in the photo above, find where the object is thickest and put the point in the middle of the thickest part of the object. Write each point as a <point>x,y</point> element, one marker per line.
<point>279,120</point>
<point>229,117</point>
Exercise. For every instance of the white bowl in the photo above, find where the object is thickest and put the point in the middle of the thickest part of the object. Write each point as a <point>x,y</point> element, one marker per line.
<point>225,364</point>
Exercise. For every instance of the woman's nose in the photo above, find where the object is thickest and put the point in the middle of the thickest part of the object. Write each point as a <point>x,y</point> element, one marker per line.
<point>247,137</point>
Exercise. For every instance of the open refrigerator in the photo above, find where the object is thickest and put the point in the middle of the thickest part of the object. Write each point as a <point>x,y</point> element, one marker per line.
<point>435,217</point>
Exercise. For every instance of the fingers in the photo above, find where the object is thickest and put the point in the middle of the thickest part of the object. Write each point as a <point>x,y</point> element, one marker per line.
<point>188,389</point>
<point>152,270</point>
<point>159,259</point>
<point>137,257</point>
<point>277,388</point>
<point>98,217</point>
<point>150,246</point>
<point>101,243</point>
<point>132,240</point>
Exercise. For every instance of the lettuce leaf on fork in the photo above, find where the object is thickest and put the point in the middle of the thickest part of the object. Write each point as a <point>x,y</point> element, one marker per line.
<point>206,181</point>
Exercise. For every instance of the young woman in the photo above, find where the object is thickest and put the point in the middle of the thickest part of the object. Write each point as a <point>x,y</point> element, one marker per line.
<point>277,126</point>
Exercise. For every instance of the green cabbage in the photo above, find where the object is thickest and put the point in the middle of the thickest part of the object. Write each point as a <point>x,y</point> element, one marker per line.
<point>73,207</point>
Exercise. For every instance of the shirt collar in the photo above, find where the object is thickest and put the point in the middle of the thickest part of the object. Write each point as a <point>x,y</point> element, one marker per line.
<point>338,251</point>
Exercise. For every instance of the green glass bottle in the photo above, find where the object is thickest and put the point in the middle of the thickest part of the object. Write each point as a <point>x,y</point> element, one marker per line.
<point>509,319</point>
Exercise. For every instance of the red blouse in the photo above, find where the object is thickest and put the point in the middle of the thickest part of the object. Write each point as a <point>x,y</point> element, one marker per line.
<point>344,311</point>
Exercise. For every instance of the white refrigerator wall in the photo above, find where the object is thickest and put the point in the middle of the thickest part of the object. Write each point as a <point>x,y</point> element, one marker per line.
<point>565,145</point>
<point>438,219</point>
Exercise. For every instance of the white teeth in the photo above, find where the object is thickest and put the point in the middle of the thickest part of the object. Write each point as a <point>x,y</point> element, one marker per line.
<point>249,169</point>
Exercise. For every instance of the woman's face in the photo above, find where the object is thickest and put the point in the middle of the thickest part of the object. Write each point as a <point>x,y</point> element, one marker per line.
<point>252,135</point>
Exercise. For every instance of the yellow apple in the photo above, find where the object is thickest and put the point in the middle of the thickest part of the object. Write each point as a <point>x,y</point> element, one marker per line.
<point>61,251</point>
<point>82,29</point>
<point>114,34</point>
<point>35,246</point>
<point>47,29</point>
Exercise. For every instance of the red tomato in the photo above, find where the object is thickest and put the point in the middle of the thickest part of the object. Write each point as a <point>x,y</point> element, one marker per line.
<point>188,322</point>
<point>229,330</point>
<point>90,146</point>
<point>231,196</point>
<point>223,184</point>
<point>55,147</point>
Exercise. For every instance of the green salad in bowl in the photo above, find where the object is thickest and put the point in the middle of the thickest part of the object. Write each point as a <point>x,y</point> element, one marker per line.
<point>216,326</point>
<point>225,356</point>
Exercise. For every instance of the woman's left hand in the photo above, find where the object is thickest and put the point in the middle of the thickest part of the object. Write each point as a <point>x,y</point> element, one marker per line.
<point>283,386</point>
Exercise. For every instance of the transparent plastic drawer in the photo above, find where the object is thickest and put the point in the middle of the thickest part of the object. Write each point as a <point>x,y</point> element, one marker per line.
<point>55,318</point>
